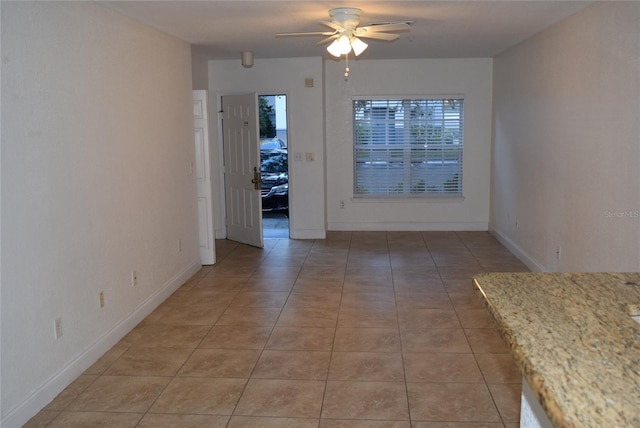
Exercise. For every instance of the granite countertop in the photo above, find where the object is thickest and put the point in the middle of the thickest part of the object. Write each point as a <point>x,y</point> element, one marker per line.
<point>573,338</point>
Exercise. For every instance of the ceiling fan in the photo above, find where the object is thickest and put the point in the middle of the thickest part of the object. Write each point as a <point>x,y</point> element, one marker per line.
<point>346,34</point>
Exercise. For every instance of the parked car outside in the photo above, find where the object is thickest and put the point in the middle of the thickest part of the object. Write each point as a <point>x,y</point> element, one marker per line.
<point>274,170</point>
<point>272,144</point>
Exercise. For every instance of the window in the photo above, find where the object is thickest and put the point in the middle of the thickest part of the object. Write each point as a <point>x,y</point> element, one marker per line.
<point>408,147</point>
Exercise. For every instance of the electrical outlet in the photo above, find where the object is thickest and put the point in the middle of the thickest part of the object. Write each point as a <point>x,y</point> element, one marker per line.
<point>558,253</point>
<point>102,299</point>
<point>342,204</point>
<point>134,278</point>
<point>57,324</point>
<point>179,245</point>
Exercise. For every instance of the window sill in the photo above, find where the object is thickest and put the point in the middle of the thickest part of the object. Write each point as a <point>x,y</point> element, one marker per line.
<point>408,199</point>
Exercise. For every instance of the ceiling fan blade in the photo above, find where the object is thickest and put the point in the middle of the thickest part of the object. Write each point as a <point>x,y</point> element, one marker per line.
<point>313,33</point>
<point>328,39</point>
<point>393,26</point>
<point>332,25</point>
<point>379,36</point>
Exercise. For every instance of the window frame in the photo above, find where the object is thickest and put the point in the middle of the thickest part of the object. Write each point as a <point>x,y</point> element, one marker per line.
<point>409,194</point>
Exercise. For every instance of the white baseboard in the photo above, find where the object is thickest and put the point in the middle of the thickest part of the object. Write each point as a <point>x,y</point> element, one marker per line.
<point>308,234</point>
<point>410,227</point>
<point>529,261</point>
<point>61,379</point>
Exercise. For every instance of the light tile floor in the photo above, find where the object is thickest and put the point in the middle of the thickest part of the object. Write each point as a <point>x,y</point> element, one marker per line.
<point>363,329</point>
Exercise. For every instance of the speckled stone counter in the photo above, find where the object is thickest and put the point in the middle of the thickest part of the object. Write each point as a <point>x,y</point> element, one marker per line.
<point>574,340</point>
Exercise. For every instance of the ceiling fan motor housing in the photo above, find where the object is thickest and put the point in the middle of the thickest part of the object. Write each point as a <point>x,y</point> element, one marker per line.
<point>346,17</point>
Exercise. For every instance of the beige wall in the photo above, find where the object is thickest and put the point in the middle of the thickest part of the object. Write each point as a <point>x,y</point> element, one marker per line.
<point>97,135</point>
<point>320,123</point>
<point>566,150</point>
<point>469,78</point>
<point>199,71</point>
<point>305,132</point>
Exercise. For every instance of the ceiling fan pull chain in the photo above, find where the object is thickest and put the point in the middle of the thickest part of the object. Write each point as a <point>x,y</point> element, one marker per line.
<point>346,69</point>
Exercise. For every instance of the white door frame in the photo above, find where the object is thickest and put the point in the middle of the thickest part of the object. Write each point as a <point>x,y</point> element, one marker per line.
<point>202,171</point>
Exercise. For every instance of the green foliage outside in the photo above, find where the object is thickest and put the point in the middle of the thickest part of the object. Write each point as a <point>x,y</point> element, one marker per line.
<point>267,127</point>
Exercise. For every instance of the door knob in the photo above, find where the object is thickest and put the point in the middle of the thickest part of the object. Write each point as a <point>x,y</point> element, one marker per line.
<point>257,178</point>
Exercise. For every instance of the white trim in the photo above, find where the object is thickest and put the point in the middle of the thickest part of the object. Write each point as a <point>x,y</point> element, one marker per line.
<point>518,252</point>
<point>413,199</point>
<point>21,414</point>
<point>407,97</point>
<point>410,227</point>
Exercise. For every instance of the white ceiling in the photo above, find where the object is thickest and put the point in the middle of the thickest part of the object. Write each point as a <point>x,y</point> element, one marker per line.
<point>441,29</point>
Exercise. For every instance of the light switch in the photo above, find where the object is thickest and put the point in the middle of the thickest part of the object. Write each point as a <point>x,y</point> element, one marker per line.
<point>309,157</point>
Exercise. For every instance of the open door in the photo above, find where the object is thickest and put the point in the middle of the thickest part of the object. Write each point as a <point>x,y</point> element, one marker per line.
<point>203,178</point>
<point>241,131</point>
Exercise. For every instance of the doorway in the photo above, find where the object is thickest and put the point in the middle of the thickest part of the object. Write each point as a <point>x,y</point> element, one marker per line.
<point>274,165</point>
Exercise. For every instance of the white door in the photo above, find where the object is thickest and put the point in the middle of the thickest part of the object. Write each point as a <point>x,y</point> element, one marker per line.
<point>203,178</point>
<point>243,200</point>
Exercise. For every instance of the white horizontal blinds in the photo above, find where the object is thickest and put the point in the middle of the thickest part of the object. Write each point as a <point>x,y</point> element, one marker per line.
<point>408,147</point>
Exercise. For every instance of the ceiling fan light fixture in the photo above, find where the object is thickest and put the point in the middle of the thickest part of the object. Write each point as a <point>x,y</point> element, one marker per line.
<point>340,46</point>
<point>345,35</point>
<point>358,45</point>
